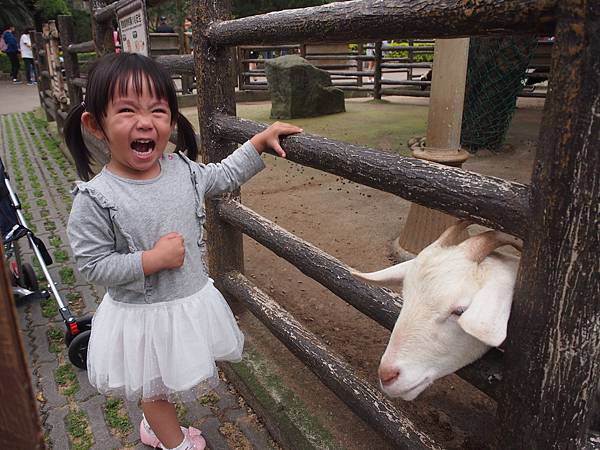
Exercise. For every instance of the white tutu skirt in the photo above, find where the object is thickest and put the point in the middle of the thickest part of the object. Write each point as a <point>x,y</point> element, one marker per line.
<point>162,350</point>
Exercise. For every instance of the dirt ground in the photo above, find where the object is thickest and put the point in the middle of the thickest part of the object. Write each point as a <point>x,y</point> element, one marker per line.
<point>357,225</point>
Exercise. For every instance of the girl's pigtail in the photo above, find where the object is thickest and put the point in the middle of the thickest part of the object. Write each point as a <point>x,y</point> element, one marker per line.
<point>186,137</point>
<point>75,143</point>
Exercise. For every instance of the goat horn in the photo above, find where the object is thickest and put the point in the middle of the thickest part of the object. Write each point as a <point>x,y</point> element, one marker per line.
<point>452,234</point>
<point>480,246</point>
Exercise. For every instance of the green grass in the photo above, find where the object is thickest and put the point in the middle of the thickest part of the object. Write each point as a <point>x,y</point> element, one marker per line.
<point>181,414</point>
<point>66,379</point>
<point>55,339</point>
<point>116,417</point>
<point>209,399</point>
<point>67,276</point>
<point>49,225</point>
<point>55,241</point>
<point>79,431</point>
<point>49,308</point>
<point>61,256</point>
<point>382,125</point>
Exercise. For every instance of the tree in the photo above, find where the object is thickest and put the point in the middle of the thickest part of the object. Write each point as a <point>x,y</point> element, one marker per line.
<point>49,9</point>
<point>17,13</point>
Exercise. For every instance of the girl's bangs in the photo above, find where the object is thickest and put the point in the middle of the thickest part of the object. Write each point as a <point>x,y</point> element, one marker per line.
<point>135,81</point>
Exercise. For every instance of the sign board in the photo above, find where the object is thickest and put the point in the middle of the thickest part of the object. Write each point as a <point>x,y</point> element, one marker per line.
<point>133,28</point>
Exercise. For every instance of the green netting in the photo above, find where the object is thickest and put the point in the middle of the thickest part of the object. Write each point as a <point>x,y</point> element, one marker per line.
<point>496,74</point>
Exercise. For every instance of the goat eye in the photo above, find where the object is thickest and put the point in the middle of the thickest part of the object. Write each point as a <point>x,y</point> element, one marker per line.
<point>458,311</point>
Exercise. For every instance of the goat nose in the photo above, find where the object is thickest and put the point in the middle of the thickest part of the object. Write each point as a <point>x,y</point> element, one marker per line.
<point>388,374</point>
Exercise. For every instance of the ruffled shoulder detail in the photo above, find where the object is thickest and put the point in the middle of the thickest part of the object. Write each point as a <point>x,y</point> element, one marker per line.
<point>95,194</point>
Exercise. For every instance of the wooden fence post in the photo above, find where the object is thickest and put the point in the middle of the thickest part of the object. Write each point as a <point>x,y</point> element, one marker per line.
<point>359,64</point>
<point>213,69</point>
<point>553,347</point>
<point>102,31</point>
<point>71,62</point>
<point>377,74</point>
<point>39,58</point>
<point>19,424</point>
<point>59,94</point>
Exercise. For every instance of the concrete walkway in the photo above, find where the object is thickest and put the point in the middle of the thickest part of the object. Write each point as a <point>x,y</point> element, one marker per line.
<point>73,414</point>
<point>18,97</point>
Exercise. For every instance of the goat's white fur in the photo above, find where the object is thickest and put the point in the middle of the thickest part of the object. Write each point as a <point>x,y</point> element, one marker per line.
<point>428,340</point>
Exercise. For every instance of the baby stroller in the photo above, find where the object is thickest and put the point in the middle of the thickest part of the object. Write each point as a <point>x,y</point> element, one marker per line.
<point>23,278</point>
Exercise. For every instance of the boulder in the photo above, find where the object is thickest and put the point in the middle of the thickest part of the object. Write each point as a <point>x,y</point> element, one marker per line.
<point>299,89</point>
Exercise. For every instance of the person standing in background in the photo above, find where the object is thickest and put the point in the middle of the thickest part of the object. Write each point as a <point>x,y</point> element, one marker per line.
<point>164,27</point>
<point>187,31</point>
<point>27,56</point>
<point>12,51</point>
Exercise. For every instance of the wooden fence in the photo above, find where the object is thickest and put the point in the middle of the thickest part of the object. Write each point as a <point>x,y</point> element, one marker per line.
<point>549,369</point>
<point>368,68</point>
<point>549,372</point>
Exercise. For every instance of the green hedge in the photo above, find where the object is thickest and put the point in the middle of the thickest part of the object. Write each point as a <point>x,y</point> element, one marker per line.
<point>417,57</point>
<point>4,63</point>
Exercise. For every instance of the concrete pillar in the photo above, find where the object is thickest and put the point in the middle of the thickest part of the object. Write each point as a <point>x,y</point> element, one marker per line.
<point>450,59</point>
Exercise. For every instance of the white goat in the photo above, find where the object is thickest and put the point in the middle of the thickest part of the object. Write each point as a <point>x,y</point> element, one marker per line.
<point>457,299</point>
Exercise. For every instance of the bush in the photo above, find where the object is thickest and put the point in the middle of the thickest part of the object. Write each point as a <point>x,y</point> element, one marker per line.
<point>82,26</point>
<point>4,63</point>
<point>417,57</point>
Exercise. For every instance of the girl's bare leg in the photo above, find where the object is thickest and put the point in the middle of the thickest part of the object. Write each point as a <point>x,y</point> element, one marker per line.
<point>162,417</point>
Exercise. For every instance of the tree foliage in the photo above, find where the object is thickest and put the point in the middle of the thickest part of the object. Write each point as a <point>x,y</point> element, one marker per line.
<point>16,13</point>
<point>49,9</point>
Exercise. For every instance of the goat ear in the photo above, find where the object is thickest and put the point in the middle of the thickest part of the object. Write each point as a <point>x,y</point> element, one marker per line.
<point>392,276</point>
<point>487,317</point>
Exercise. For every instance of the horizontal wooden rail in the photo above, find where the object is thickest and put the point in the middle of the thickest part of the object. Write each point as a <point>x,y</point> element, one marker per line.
<point>366,401</point>
<point>405,92</point>
<point>390,19</point>
<point>82,47</point>
<point>177,64</point>
<point>406,65</point>
<point>491,201</point>
<point>378,304</point>
<point>406,82</point>
<point>80,82</point>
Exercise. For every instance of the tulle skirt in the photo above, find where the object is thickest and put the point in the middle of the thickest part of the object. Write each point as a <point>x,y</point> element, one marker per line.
<point>162,350</point>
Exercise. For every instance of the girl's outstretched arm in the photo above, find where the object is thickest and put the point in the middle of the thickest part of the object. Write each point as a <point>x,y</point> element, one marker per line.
<point>244,163</point>
<point>269,138</point>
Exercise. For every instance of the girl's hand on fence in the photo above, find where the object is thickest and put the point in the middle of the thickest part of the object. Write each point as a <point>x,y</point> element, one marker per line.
<point>269,138</point>
<point>167,253</point>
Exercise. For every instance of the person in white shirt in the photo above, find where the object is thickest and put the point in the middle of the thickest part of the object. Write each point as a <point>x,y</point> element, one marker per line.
<point>27,56</point>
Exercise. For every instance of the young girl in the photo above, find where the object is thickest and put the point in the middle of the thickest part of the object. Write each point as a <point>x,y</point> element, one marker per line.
<point>136,228</point>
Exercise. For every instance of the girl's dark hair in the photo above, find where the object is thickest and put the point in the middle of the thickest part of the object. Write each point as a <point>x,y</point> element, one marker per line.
<point>110,75</point>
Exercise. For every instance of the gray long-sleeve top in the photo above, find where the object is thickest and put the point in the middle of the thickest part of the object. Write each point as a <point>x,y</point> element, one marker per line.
<point>114,220</point>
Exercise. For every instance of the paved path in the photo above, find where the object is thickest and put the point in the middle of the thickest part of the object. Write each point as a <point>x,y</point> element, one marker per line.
<point>74,415</point>
<point>18,97</point>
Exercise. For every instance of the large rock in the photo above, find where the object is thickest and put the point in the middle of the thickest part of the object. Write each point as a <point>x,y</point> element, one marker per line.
<point>299,89</point>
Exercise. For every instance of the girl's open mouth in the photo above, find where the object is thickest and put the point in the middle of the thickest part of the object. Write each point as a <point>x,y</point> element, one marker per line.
<point>142,147</point>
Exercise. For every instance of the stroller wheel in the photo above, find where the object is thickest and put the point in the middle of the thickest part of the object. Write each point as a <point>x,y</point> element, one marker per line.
<point>78,349</point>
<point>83,324</point>
<point>30,280</point>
